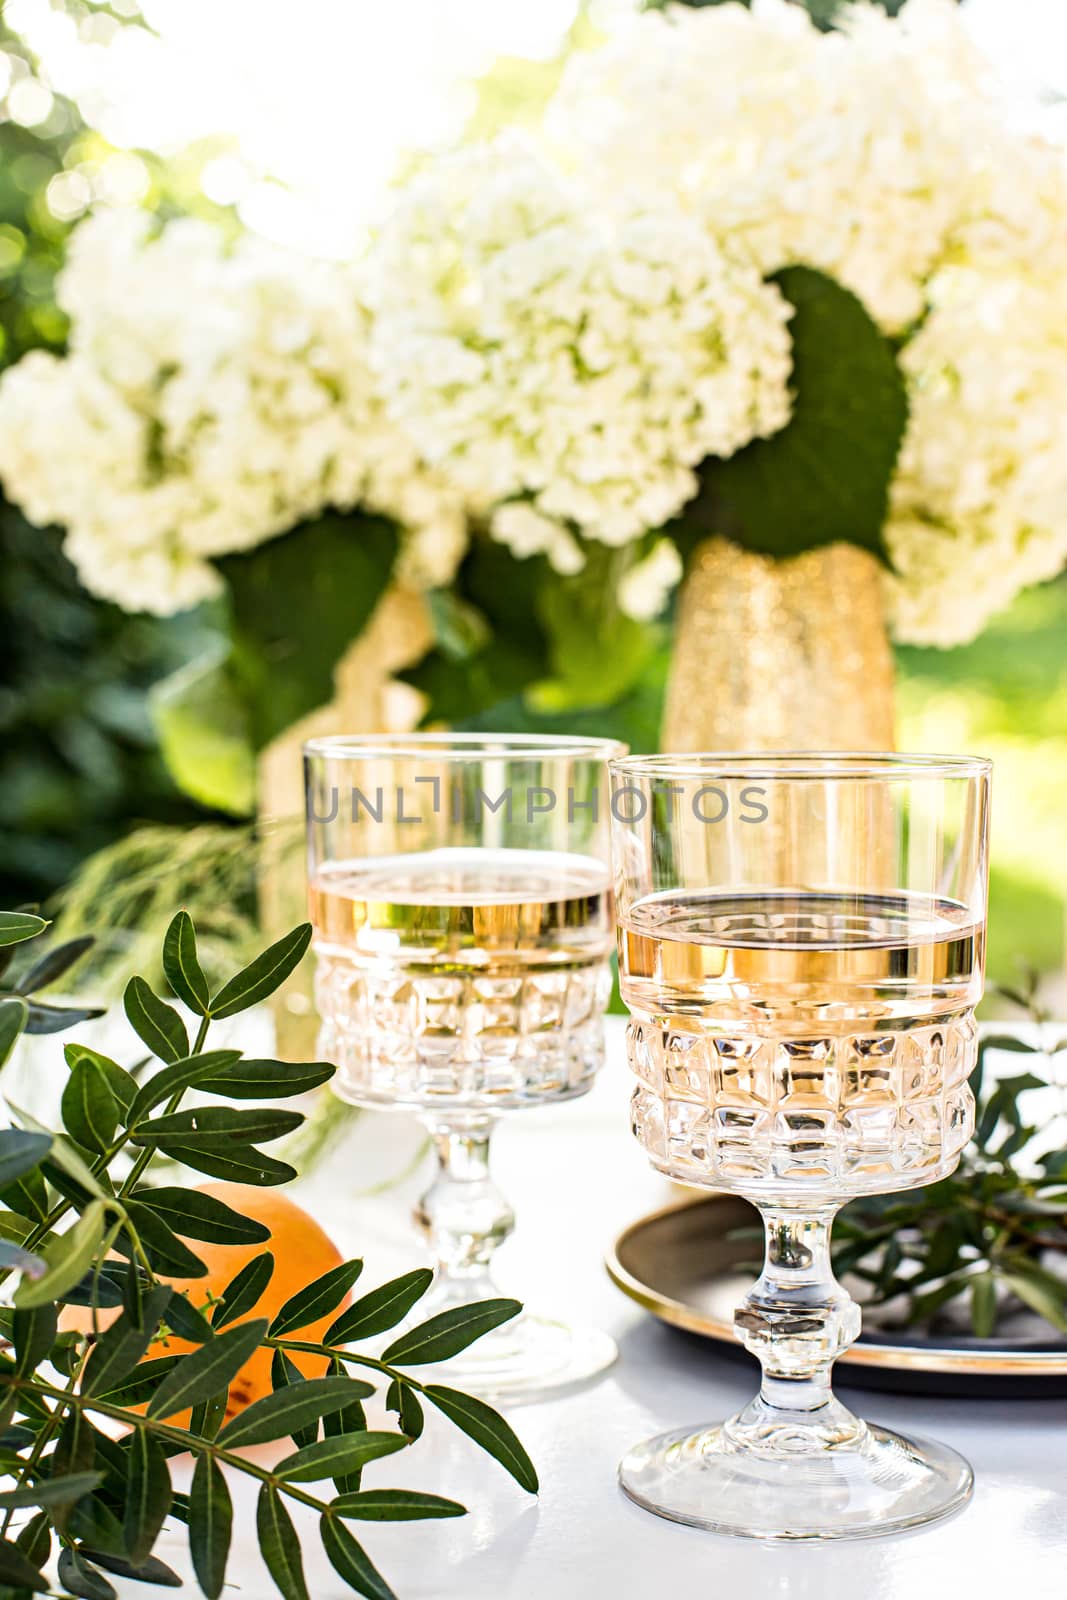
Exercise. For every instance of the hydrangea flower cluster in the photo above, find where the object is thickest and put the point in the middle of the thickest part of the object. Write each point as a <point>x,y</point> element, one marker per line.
<point>212,398</point>
<point>550,336</point>
<point>874,153</point>
<point>881,155</point>
<point>980,497</point>
<point>544,350</point>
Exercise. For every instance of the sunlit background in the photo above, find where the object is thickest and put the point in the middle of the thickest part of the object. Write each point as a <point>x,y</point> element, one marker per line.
<point>297,119</point>
<point>301,115</point>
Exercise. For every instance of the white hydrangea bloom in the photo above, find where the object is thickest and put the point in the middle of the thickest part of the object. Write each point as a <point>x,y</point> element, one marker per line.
<point>645,589</point>
<point>139,303</point>
<point>553,339</point>
<point>212,399</point>
<point>980,498</point>
<point>872,153</point>
<point>882,155</point>
<point>527,532</point>
<point>72,450</point>
<point>535,345</point>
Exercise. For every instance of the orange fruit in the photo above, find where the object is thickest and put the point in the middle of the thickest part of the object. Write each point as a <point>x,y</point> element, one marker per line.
<point>302,1251</point>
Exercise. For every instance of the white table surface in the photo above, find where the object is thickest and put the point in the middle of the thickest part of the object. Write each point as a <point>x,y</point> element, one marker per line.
<point>575,1178</point>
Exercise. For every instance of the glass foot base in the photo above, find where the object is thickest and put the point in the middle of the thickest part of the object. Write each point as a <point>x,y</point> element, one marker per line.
<point>870,1482</point>
<point>526,1358</point>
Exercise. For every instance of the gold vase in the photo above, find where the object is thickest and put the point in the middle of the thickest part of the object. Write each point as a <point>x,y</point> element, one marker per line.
<point>367,699</point>
<point>780,655</point>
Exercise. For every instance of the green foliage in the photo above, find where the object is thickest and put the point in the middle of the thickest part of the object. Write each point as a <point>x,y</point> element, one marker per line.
<point>481,1423</point>
<point>1005,694</point>
<point>515,91</point>
<point>15,926</point>
<point>269,1080</point>
<point>210,1525</point>
<point>449,1332</point>
<point>318,1300</point>
<point>285,651</point>
<point>22,978</point>
<point>244,1291</point>
<point>595,652</point>
<point>204,1216</point>
<point>203,731</point>
<point>32,237</point>
<point>350,1562</point>
<point>1015,672</point>
<point>294,605</point>
<point>14,1014</point>
<point>291,1408</point>
<point>181,968</point>
<point>339,1454</point>
<point>825,476</point>
<point>526,649</point>
<point>267,973</point>
<point>984,1238</point>
<point>155,1022</point>
<point>405,1403</point>
<point>87,1227</point>
<point>395,1505</point>
<point>382,1308</point>
<point>127,891</point>
<point>80,757</point>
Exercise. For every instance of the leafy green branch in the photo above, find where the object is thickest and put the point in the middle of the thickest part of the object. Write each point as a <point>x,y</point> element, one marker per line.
<point>20,1004</point>
<point>81,1225</point>
<point>991,1237</point>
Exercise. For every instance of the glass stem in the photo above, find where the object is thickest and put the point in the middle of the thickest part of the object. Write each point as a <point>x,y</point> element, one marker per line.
<point>797,1319</point>
<point>463,1212</point>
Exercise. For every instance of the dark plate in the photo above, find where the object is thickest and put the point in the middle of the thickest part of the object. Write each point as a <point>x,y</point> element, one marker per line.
<point>681,1265</point>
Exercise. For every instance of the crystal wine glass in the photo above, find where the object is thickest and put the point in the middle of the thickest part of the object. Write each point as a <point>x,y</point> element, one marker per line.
<point>801,943</point>
<point>461,900</point>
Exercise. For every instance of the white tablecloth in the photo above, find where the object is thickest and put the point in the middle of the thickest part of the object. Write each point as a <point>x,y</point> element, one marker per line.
<point>575,1178</point>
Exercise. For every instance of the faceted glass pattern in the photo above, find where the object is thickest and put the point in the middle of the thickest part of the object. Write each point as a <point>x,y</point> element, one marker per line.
<point>479,1042</point>
<point>801,978</point>
<point>870,1112</point>
<point>460,892</point>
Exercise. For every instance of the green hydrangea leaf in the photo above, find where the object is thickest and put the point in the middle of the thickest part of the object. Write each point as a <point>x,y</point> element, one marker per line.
<point>825,477</point>
<point>204,736</point>
<point>296,604</point>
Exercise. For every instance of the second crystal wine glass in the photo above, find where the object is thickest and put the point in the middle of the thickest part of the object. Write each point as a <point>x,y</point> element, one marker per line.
<point>460,895</point>
<point>800,948</point>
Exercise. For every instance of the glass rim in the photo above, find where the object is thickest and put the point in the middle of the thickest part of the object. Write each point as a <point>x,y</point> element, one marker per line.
<point>465,746</point>
<point>801,764</point>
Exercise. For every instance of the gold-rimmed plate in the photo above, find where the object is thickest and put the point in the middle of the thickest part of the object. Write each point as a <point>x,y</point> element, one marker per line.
<point>688,1265</point>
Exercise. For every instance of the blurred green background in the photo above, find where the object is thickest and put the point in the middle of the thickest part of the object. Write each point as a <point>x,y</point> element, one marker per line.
<point>79,762</point>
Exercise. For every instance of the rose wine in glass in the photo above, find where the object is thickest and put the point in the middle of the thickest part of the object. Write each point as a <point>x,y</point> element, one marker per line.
<point>476,975</point>
<point>855,1041</point>
<point>460,892</point>
<point>801,976</point>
